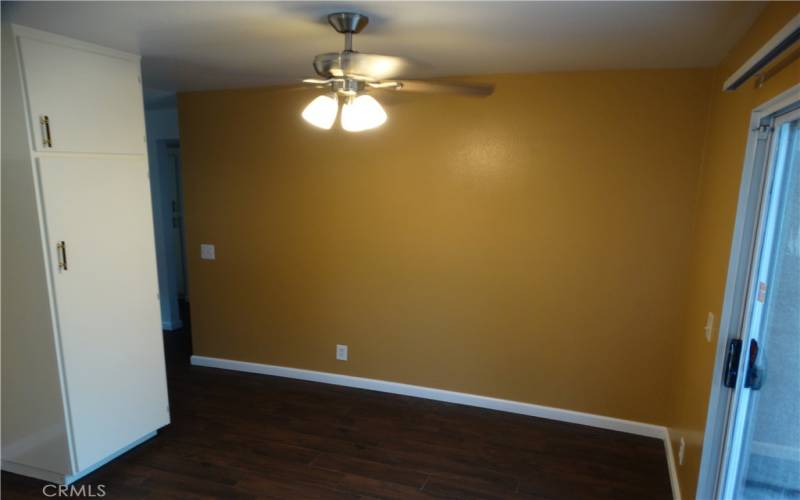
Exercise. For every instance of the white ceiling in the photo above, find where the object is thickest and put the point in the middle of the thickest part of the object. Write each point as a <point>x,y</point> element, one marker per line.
<point>205,45</point>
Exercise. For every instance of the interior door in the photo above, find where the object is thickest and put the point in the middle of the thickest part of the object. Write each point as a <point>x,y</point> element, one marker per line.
<point>763,442</point>
<point>102,255</point>
<point>82,101</point>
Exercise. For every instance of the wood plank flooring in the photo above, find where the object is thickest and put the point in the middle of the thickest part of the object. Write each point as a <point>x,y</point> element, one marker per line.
<point>237,435</point>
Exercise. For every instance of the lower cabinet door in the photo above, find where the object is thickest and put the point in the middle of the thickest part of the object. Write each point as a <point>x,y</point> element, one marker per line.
<point>100,244</point>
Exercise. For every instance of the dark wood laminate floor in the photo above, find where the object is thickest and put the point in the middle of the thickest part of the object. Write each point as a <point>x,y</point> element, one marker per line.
<point>236,435</point>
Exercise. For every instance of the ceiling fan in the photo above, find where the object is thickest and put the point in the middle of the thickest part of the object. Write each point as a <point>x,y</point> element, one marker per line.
<point>351,75</point>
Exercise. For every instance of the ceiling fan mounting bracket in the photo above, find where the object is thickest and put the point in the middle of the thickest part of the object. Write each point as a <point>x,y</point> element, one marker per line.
<point>348,22</point>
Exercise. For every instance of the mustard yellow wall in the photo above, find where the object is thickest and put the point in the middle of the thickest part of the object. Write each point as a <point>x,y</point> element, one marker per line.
<point>716,211</point>
<point>531,246</point>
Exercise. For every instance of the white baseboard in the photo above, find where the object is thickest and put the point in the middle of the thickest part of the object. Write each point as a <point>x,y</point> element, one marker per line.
<point>506,405</point>
<point>673,471</point>
<point>533,410</point>
<point>548,412</point>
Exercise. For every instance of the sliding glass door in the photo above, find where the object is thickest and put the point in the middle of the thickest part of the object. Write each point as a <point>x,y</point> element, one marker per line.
<point>761,458</point>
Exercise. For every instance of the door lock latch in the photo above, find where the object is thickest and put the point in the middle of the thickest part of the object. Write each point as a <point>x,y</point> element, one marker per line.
<point>754,378</point>
<point>731,368</point>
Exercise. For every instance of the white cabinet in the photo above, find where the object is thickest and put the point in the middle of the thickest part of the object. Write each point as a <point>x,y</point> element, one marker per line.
<point>100,242</point>
<point>83,372</point>
<point>81,100</point>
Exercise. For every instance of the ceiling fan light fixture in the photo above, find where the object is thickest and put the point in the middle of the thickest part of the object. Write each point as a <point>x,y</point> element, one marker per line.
<point>362,113</point>
<point>350,73</point>
<point>321,112</point>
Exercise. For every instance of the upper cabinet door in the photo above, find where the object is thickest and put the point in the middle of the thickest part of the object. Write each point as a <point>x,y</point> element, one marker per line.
<point>82,101</point>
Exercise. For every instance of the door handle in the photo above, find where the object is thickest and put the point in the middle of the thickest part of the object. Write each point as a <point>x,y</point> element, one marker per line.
<point>754,378</point>
<point>61,248</point>
<point>732,356</point>
<point>47,140</point>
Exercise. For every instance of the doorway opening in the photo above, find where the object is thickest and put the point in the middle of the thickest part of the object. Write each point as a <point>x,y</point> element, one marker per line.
<point>171,187</point>
<point>752,441</point>
<point>166,186</point>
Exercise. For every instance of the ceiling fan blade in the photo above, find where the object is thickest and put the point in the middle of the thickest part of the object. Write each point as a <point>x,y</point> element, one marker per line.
<point>471,89</point>
<point>385,85</point>
<point>373,66</point>
<point>317,81</point>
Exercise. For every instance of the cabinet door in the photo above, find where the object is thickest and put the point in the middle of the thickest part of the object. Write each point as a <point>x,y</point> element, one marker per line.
<point>92,101</point>
<point>104,277</point>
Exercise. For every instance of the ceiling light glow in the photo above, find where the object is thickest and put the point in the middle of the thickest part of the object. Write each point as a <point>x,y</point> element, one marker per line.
<point>321,112</point>
<point>362,113</point>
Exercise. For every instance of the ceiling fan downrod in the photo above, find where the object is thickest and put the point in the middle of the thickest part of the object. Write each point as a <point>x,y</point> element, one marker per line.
<point>348,23</point>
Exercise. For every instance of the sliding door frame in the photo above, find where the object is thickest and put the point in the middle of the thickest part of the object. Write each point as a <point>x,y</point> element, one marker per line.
<point>743,250</point>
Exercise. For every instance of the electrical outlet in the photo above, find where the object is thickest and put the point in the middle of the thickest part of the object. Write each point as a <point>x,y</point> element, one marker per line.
<point>682,451</point>
<point>207,251</point>
<point>341,352</point>
<point>709,328</point>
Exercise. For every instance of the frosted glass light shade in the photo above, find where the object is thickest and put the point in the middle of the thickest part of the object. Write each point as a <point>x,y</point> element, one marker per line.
<point>362,113</point>
<point>321,112</point>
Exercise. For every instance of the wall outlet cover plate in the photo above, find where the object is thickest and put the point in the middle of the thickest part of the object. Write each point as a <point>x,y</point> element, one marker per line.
<point>207,251</point>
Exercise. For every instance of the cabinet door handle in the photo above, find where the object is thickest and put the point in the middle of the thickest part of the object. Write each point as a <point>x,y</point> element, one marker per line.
<point>47,140</point>
<point>61,247</point>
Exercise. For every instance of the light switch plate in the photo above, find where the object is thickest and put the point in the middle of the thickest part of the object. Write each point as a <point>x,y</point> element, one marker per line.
<point>709,328</point>
<point>341,352</point>
<point>207,251</point>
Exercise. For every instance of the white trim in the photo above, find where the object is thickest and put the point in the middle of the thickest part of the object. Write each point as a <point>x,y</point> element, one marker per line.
<point>775,105</point>
<point>673,470</point>
<point>44,36</point>
<point>763,55</point>
<point>534,410</point>
<point>58,478</point>
<point>79,154</point>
